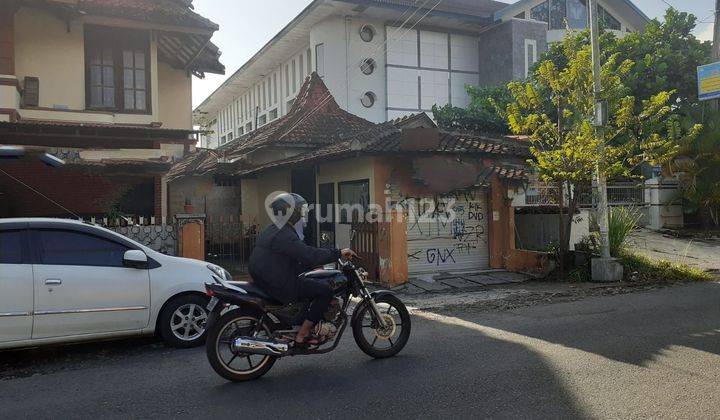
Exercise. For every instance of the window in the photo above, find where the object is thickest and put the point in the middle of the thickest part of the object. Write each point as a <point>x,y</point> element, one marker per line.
<point>354,198</point>
<point>309,61</point>
<point>117,73</point>
<point>264,99</point>
<point>558,11</point>
<point>223,140</point>
<point>540,12</point>
<point>275,95</point>
<point>241,131</point>
<point>248,127</point>
<point>607,20</point>
<point>367,33</point>
<point>63,247</point>
<point>577,16</point>
<point>368,99</point>
<point>287,79</point>
<point>301,62</point>
<point>320,59</point>
<point>290,104</point>
<point>368,66</point>
<point>11,245</point>
<point>262,120</point>
<point>530,55</point>
<point>273,114</point>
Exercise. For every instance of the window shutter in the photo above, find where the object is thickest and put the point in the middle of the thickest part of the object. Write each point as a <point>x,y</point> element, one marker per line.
<point>31,92</point>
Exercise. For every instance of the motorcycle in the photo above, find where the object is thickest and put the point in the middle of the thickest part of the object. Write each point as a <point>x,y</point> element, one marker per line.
<point>248,330</point>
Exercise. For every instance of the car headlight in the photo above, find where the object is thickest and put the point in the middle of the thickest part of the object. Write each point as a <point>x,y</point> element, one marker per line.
<point>220,272</point>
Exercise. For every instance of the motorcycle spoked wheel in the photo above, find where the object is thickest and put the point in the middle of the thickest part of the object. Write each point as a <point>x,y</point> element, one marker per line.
<point>380,342</point>
<point>236,367</point>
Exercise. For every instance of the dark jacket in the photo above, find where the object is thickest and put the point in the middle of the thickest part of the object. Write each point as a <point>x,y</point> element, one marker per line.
<point>279,257</point>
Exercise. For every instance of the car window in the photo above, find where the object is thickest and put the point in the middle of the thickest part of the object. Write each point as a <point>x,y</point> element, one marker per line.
<point>63,247</point>
<point>11,246</point>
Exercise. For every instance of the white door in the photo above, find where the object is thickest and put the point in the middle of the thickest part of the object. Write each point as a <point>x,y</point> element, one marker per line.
<point>82,287</point>
<point>440,242</point>
<point>16,287</point>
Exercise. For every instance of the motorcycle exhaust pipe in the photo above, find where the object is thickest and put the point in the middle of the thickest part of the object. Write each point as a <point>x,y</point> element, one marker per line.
<point>259,346</point>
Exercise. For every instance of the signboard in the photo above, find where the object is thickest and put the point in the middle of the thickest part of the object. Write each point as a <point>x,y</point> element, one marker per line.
<point>709,81</point>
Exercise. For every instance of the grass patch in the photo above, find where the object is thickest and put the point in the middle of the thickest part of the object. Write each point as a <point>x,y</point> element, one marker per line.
<point>639,268</point>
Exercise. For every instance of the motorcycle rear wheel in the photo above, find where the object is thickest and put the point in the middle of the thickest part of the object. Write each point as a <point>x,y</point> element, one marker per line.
<point>374,340</point>
<point>247,366</point>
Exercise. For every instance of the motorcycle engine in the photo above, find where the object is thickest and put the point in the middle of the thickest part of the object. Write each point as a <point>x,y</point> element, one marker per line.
<point>325,329</point>
<point>331,315</point>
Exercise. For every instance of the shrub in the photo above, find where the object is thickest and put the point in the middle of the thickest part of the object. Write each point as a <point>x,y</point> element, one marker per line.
<point>622,221</point>
<point>643,269</point>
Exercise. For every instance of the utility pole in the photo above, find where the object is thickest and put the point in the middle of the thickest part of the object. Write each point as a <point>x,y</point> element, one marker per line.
<point>716,37</point>
<point>604,268</point>
<point>716,46</point>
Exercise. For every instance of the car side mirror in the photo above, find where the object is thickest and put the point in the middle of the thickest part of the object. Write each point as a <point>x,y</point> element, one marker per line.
<point>135,259</point>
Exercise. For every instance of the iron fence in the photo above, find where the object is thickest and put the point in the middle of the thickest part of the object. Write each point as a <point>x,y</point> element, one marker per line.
<point>229,242</point>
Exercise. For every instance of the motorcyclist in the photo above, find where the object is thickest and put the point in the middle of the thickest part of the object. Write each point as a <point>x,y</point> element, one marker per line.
<point>280,256</point>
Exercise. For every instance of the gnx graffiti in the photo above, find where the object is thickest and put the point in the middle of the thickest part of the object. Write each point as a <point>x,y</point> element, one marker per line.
<point>439,256</point>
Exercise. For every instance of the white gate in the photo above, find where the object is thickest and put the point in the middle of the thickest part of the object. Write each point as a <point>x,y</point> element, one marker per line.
<point>440,243</point>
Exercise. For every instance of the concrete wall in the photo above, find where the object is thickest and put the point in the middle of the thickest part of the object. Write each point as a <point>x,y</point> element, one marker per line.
<point>503,50</point>
<point>174,97</point>
<point>206,197</point>
<point>267,185</point>
<point>45,48</point>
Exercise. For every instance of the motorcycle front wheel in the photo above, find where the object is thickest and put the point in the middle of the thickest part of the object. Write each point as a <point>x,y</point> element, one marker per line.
<point>373,339</point>
<point>234,366</point>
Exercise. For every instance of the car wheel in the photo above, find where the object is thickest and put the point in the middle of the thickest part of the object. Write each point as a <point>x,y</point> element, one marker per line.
<point>182,322</point>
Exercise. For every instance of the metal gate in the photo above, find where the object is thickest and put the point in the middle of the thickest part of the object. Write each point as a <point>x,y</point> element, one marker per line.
<point>439,242</point>
<point>229,242</point>
<point>365,243</point>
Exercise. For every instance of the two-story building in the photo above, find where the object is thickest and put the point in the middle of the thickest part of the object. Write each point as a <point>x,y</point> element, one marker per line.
<point>383,59</point>
<point>105,85</point>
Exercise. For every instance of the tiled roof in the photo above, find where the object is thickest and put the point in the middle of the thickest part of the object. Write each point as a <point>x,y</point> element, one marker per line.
<point>199,163</point>
<point>315,119</point>
<point>169,12</point>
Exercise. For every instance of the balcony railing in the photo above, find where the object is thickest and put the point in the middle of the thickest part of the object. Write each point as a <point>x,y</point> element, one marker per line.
<point>619,194</point>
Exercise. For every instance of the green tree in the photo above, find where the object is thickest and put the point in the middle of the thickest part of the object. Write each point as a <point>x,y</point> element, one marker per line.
<point>698,168</point>
<point>480,115</point>
<point>556,109</point>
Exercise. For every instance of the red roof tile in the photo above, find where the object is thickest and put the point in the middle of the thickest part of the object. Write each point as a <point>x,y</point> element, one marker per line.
<point>315,119</point>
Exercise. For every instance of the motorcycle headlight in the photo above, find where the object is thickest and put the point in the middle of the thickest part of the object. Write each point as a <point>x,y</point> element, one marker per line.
<point>219,272</point>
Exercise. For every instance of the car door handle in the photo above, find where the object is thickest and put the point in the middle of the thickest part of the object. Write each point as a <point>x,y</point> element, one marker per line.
<point>53,282</point>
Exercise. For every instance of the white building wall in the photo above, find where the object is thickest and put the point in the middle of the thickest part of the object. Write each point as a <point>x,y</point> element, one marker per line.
<point>344,51</point>
<point>426,68</point>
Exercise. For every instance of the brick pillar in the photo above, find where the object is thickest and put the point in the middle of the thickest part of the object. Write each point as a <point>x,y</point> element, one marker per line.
<point>191,236</point>
<point>392,249</point>
<point>7,37</point>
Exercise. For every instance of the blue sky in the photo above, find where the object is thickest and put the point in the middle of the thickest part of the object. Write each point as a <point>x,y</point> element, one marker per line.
<point>246,25</point>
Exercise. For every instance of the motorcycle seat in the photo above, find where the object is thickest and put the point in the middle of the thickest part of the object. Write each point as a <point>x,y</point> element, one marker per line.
<point>320,274</point>
<point>254,290</point>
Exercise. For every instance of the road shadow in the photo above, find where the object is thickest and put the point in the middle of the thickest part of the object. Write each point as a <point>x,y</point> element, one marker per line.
<point>446,371</point>
<point>651,322</point>
<point>26,362</point>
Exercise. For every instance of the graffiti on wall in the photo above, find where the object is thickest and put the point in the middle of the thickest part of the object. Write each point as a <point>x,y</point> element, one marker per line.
<point>444,229</point>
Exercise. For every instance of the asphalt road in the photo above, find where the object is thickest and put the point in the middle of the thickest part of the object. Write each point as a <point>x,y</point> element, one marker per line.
<point>643,355</point>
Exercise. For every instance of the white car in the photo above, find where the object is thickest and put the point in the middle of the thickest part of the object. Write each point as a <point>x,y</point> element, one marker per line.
<point>67,281</point>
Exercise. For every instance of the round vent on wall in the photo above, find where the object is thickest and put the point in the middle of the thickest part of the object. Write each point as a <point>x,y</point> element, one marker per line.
<point>367,33</point>
<point>368,66</point>
<point>368,99</point>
